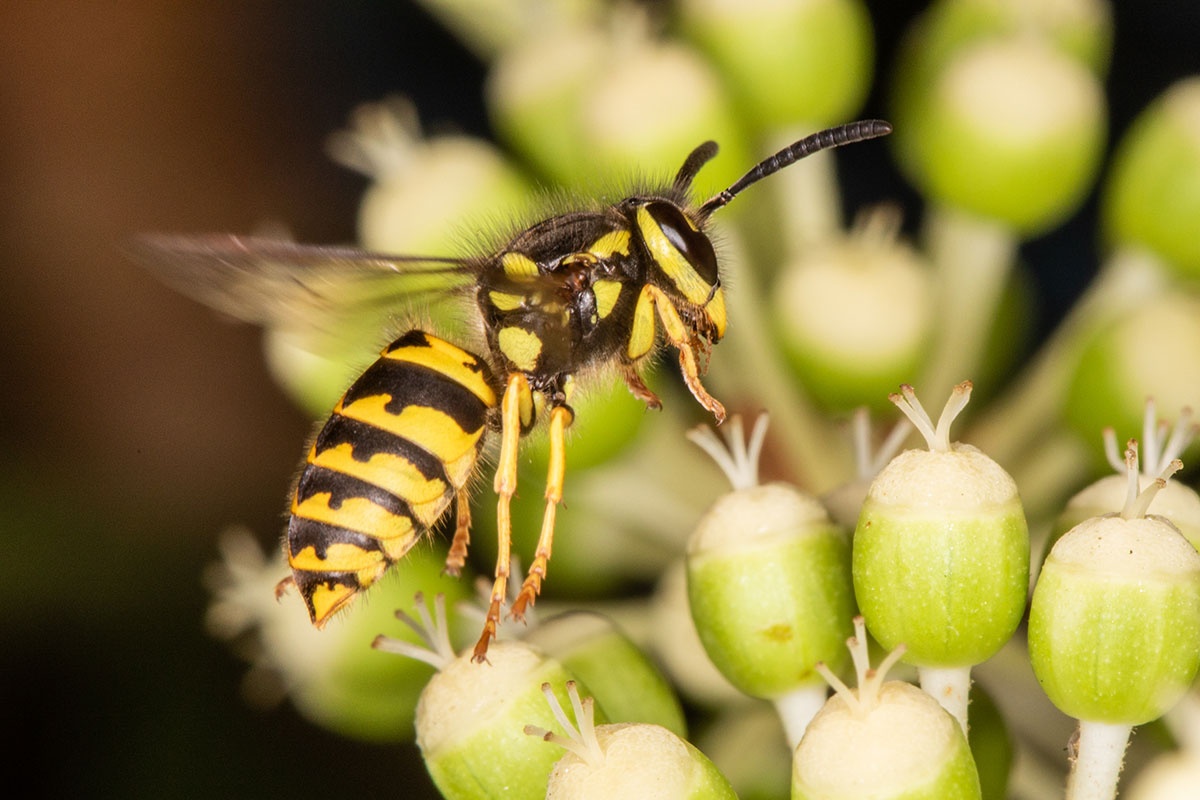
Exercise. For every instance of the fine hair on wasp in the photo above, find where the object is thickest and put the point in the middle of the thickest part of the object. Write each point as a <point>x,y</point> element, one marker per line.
<point>580,291</point>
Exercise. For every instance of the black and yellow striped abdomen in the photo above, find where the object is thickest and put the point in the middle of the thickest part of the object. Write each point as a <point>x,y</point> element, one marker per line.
<point>401,443</point>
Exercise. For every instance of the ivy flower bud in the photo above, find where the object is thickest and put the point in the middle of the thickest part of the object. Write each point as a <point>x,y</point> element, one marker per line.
<point>1154,349</point>
<point>625,683</point>
<point>332,676</point>
<point>636,761</point>
<point>762,45</point>
<point>1012,130</point>
<point>1177,502</point>
<point>941,555</point>
<point>1114,628</point>
<point>471,717</point>
<point>882,741</point>
<point>855,313</point>
<point>768,583</point>
<point>1150,198</point>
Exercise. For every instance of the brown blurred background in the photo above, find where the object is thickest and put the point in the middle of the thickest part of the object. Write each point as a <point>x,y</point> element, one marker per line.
<point>135,424</point>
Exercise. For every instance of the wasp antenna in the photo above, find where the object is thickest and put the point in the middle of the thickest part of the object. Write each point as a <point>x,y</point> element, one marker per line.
<point>695,160</point>
<point>822,140</point>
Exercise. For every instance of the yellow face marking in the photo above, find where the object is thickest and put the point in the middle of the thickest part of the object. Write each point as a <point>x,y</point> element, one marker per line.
<point>326,601</point>
<point>613,242</point>
<point>434,431</point>
<point>672,262</point>
<point>450,361</point>
<point>505,301</point>
<point>716,311</point>
<point>393,473</point>
<point>356,514</point>
<point>606,293</point>
<point>339,557</point>
<point>517,265</point>
<point>520,347</point>
<point>641,335</point>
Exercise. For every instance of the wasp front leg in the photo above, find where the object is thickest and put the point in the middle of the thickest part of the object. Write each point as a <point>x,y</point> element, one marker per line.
<point>681,339</point>
<point>516,395</point>
<point>560,418</point>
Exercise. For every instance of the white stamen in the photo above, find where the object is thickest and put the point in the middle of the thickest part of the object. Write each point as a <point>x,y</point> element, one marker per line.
<point>737,459</point>
<point>581,741</point>
<point>437,652</point>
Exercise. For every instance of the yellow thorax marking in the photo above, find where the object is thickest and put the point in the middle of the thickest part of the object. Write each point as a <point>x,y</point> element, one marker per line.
<point>520,347</point>
<point>517,265</point>
<point>612,242</point>
<point>505,301</point>
<point>641,335</point>
<point>671,261</point>
<point>606,296</point>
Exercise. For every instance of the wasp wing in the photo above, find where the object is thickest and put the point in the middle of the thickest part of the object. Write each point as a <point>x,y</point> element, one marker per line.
<point>282,284</point>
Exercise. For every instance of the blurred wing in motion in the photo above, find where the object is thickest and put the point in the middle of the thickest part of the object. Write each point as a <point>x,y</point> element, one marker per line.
<point>281,284</point>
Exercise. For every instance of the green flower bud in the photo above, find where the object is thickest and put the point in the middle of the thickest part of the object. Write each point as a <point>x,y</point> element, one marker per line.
<point>471,718</point>
<point>1153,350</point>
<point>1152,197</point>
<point>651,106</point>
<point>1178,503</point>
<point>624,681</point>
<point>855,314</point>
<point>1012,130</point>
<point>332,676</point>
<point>1114,629</point>
<point>882,741</point>
<point>677,646</point>
<point>625,760</point>
<point>941,552</point>
<point>535,108</point>
<point>489,27</point>
<point>941,555</point>
<point>423,191</point>
<point>763,45</point>
<point>767,578</point>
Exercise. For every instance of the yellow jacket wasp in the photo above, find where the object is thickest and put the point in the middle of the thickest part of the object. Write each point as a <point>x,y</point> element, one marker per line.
<point>577,290</point>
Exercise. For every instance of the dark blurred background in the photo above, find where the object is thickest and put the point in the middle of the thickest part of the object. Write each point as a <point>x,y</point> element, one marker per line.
<point>136,424</point>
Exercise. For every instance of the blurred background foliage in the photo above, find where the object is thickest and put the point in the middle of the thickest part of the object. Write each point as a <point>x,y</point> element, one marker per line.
<point>136,425</point>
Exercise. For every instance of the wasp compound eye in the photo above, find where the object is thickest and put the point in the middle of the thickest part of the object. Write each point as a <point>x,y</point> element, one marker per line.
<point>691,243</point>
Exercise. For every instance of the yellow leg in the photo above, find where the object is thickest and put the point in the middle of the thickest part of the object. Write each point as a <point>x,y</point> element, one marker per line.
<point>560,418</point>
<point>457,556</point>
<point>678,335</point>
<point>506,486</point>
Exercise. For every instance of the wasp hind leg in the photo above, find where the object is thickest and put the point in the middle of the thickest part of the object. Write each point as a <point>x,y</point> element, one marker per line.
<point>560,418</point>
<point>457,556</point>
<point>516,394</point>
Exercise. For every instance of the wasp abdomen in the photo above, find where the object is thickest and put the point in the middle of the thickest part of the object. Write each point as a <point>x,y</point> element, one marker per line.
<point>401,443</point>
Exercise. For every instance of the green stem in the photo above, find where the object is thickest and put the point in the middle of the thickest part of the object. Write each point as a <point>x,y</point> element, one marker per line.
<point>951,687</point>
<point>972,259</point>
<point>1031,405</point>
<point>1097,765</point>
